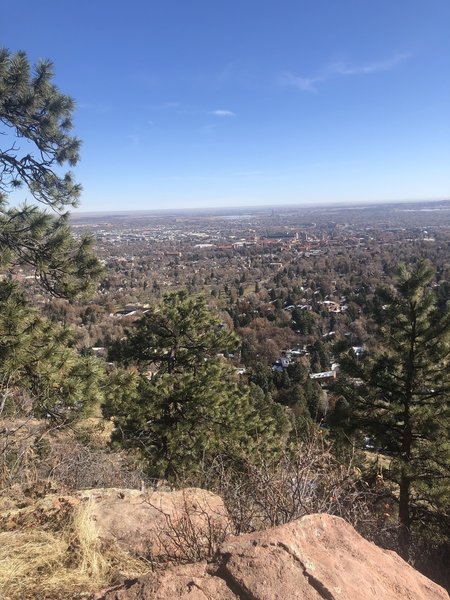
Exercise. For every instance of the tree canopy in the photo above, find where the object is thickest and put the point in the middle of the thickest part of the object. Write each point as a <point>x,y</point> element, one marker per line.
<point>34,111</point>
<point>178,334</point>
<point>40,370</point>
<point>36,121</point>
<point>193,407</point>
<point>399,396</point>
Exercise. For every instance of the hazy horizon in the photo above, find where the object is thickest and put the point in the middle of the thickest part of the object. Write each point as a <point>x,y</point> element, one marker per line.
<point>260,208</point>
<point>201,104</point>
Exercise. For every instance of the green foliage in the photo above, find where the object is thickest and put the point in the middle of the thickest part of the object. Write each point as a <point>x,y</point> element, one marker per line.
<point>399,397</point>
<point>177,421</point>
<point>319,357</point>
<point>305,397</point>
<point>176,335</point>
<point>303,321</point>
<point>41,374</point>
<point>65,267</point>
<point>194,407</point>
<point>33,108</point>
<point>262,376</point>
<point>36,121</point>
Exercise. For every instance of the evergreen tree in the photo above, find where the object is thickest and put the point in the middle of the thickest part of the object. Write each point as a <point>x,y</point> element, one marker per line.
<point>178,334</point>
<point>40,372</point>
<point>193,408</point>
<point>180,421</point>
<point>36,120</point>
<point>402,400</point>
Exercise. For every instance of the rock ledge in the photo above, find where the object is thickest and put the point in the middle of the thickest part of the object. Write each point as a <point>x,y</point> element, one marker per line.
<point>318,557</point>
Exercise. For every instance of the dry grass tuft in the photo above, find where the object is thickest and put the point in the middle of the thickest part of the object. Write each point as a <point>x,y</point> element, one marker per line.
<point>67,563</point>
<point>28,556</point>
<point>91,561</point>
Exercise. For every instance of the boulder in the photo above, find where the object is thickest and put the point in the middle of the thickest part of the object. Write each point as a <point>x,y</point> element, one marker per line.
<point>186,582</point>
<point>318,557</point>
<point>159,524</point>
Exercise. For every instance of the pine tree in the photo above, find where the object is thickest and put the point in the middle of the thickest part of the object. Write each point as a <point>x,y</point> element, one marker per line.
<point>194,408</point>
<point>402,402</point>
<point>40,371</point>
<point>36,120</point>
<point>178,334</point>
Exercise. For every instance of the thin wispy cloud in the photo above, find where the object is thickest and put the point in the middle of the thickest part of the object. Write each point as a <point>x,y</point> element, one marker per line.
<point>222,113</point>
<point>305,84</point>
<point>164,106</point>
<point>181,109</point>
<point>342,69</point>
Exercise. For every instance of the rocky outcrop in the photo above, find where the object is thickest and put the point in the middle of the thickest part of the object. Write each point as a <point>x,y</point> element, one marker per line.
<point>156,525</point>
<point>159,524</point>
<point>318,557</point>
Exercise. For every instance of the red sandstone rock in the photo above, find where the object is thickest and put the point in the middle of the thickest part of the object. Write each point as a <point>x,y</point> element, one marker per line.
<point>186,582</point>
<point>159,524</point>
<point>318,557</point>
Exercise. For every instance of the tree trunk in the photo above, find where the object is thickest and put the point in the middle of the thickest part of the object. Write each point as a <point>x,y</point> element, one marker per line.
<point>404,508</point>
<point>404,515</point>
<point>404,512</point>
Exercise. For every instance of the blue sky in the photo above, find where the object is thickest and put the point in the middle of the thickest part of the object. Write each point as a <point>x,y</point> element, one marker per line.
<point>196,103</point>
